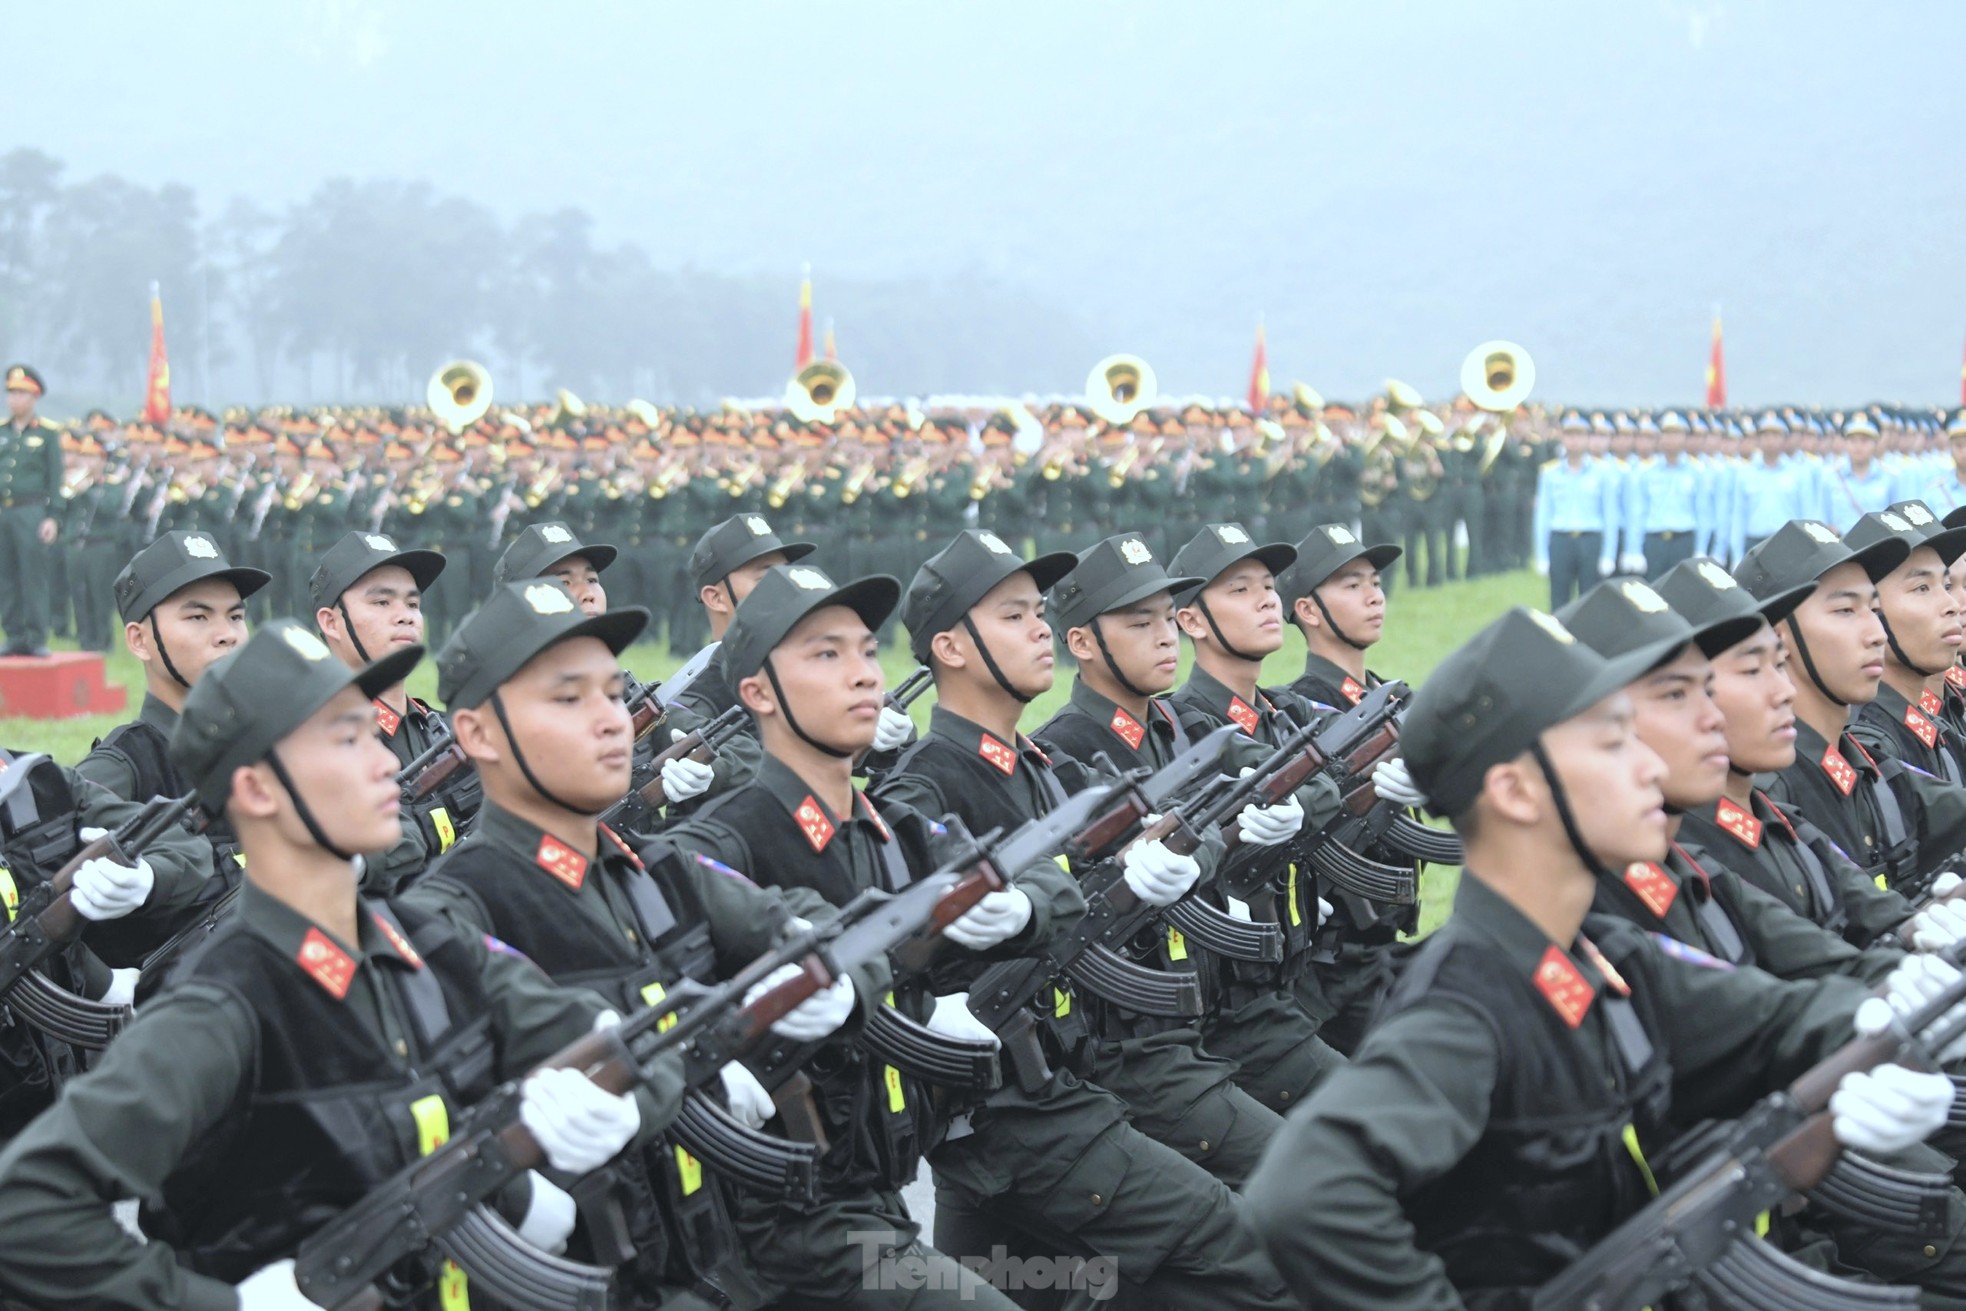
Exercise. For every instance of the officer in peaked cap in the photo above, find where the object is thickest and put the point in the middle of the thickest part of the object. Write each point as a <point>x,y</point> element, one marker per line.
<point>30,482</point>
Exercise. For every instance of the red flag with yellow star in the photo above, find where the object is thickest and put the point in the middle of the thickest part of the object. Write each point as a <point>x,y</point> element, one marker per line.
<point>1716,371</point>
<point>1259,375</point>
<point>157,392</point>
<point>804,356</point>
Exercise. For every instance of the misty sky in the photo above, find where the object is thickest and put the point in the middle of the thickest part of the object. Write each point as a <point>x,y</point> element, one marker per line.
<point>1386,184</point>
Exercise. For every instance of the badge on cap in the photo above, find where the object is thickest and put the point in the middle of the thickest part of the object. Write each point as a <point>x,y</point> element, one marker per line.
<point>1340,534</point>
<point>200,548</point>
<point>1822,532</point>
<point>546,599</point>
<point>1716,577</point>
<point>992,542</point>
<point>1918,514</point>
<point>1231,535</point>
<point>305,644</point>
<point>1553,626</point>
<point>552,532</point>
<point>377,542</point>
<point>1134,551</point>
<point>1893,522</point>
<point>757,525</point>
<point>1643,599</point>
<point>809,578</point>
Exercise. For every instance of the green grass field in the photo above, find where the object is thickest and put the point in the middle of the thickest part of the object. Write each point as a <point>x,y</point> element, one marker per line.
<point>1422,627</point>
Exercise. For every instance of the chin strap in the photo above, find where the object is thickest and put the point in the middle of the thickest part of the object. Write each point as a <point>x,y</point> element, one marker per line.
<point>1564,813</point>
<point>1112,665</point>
<point>785,708</point>
<point>353,639</point>
<point>1331,623</point>
<point>164,654</point>
<point>1809,665</point>
<point>518,755</point>
<point>989,662</point>
<point>1201,603</point>
<point>302,809</point>
<point>1898,651</point>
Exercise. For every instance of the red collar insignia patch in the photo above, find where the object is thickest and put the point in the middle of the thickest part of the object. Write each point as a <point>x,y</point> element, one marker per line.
<point>1129,729</point>
<point>325,963</point>
<point>561,861</point>
<point>1929,702</point>
<point>1922,728</point>
<point>620,845</point>
<point>1564,987</point>
<point>1354,693</point>
<point>1652,885</point>
<point>1957,677</point>
<point>1841,772</point>
<point>1738,824</point>
<point>386,719</point>
<point>812,820</point>
<point>398,941</point>
<point>873,816</point>
<point>998,754</point>
<point>1244,715</point>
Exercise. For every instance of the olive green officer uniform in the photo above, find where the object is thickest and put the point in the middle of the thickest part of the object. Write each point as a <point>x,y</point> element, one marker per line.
<point>30,485</point>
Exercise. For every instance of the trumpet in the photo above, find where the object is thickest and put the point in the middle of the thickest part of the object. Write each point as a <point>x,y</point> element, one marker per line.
<point>911,474</point>
<point>986,479</point>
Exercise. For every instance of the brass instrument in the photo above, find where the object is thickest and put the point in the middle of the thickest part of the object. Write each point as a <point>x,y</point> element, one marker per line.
<point>1119,387</point>
<point>665,478</point>
<point>1402,396</point>
<point>1116,471</point>
<point>911,474</point>
<point>786,484</point>
<point>1498,376</point>
<point>738,482</point>
<point>856,482</point>
<point>566,406</point>
<point>542,486</point>
<point>647,413</point>
<point>298,494</point>
<point>459,394</point>
<point>985,479</point>
<point>819,391</point>
<point>76,483</point>
<point>1306,399</point>
<point>1491,451</point>
<point>1395,436</point>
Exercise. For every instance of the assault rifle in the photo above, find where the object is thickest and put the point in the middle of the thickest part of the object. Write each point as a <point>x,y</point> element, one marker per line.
<point>426,775</point>
<point>47,921</point>
<point>352,1262</point>
<point>1701,1230</point>
<point>632,812</point>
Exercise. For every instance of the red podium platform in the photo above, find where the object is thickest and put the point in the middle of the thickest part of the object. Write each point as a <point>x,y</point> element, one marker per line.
<point>62,685</point>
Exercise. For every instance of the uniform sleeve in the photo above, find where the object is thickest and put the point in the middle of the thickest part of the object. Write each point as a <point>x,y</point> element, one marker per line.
<point>1056,902</point>
<point>453,902</point>
<point>117,1133</point>
<point>1941,818</point>
<point>108,769</point>
<point>1792,946</point>
<point>179,861</point>
<point>1326,1200</point>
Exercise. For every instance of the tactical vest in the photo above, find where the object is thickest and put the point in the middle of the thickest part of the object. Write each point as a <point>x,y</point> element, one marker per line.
<point>875,1117</point>
<point>37,836</point>
<point>329,1112</point>
<point>1690,908</point>
<point>1553,1171</point>
<point>146,751</point>
<point>678,1228</point>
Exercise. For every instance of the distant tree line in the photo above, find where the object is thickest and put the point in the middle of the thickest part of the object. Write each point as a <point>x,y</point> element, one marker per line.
<point>355,294</point>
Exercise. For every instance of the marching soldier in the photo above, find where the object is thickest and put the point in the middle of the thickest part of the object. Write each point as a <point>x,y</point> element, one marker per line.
<point>88,535</point>
<point>311,1005</point>
<point>1576,533</point>
<point>1662,502</point>
<point>1922,629</point>
<point>30,480</point>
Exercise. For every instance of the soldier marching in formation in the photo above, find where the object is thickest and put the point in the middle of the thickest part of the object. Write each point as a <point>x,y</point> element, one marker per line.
<point>580,989</point>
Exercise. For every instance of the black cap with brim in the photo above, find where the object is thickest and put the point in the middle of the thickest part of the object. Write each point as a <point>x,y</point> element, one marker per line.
<point>173,562</point>
<point>1492,697</point>
<point>1111,575</point>
<point>1803,550</point>
<point>543,545</point>
<point>1702,591</point>
<point>1946,538</point>
<point>357,554</point>
<point>1328,548</point>
<point>784,595</point>
<point>734,543</point>
<point>1624,616</point>
<point>518,621</point>
<point>247,701</point>
<point>1220,547</point>
<point>961,574</point>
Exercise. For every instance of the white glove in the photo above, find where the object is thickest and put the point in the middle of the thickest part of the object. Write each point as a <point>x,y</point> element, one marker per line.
<point>1916,980</point>
<point>813,1018</point>
<point>1938,926</point>
<point>683,778</point>
<point>749,1103</point>
<point>1542,568</point>
<point>894,730</point>
<point>1158,876</point>
<point>1604,568</point>
<point>579,1126</point>
<point>550,1215</point>
<point>272,1288</point>
<point>1631,562</point>
<point>1391,782</point>
<point>954,1019</point>
<point>105,890</point>
<point>1889,1108</point>
<point>1267,826</point>
<point>1945,883</point>
<point>122,989</point>
<point>999,917</point>
<point>1324,909</point>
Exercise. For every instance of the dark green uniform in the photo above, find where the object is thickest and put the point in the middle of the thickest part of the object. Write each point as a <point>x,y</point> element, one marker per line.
<point>89,543</point>
<point>30,488</point>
